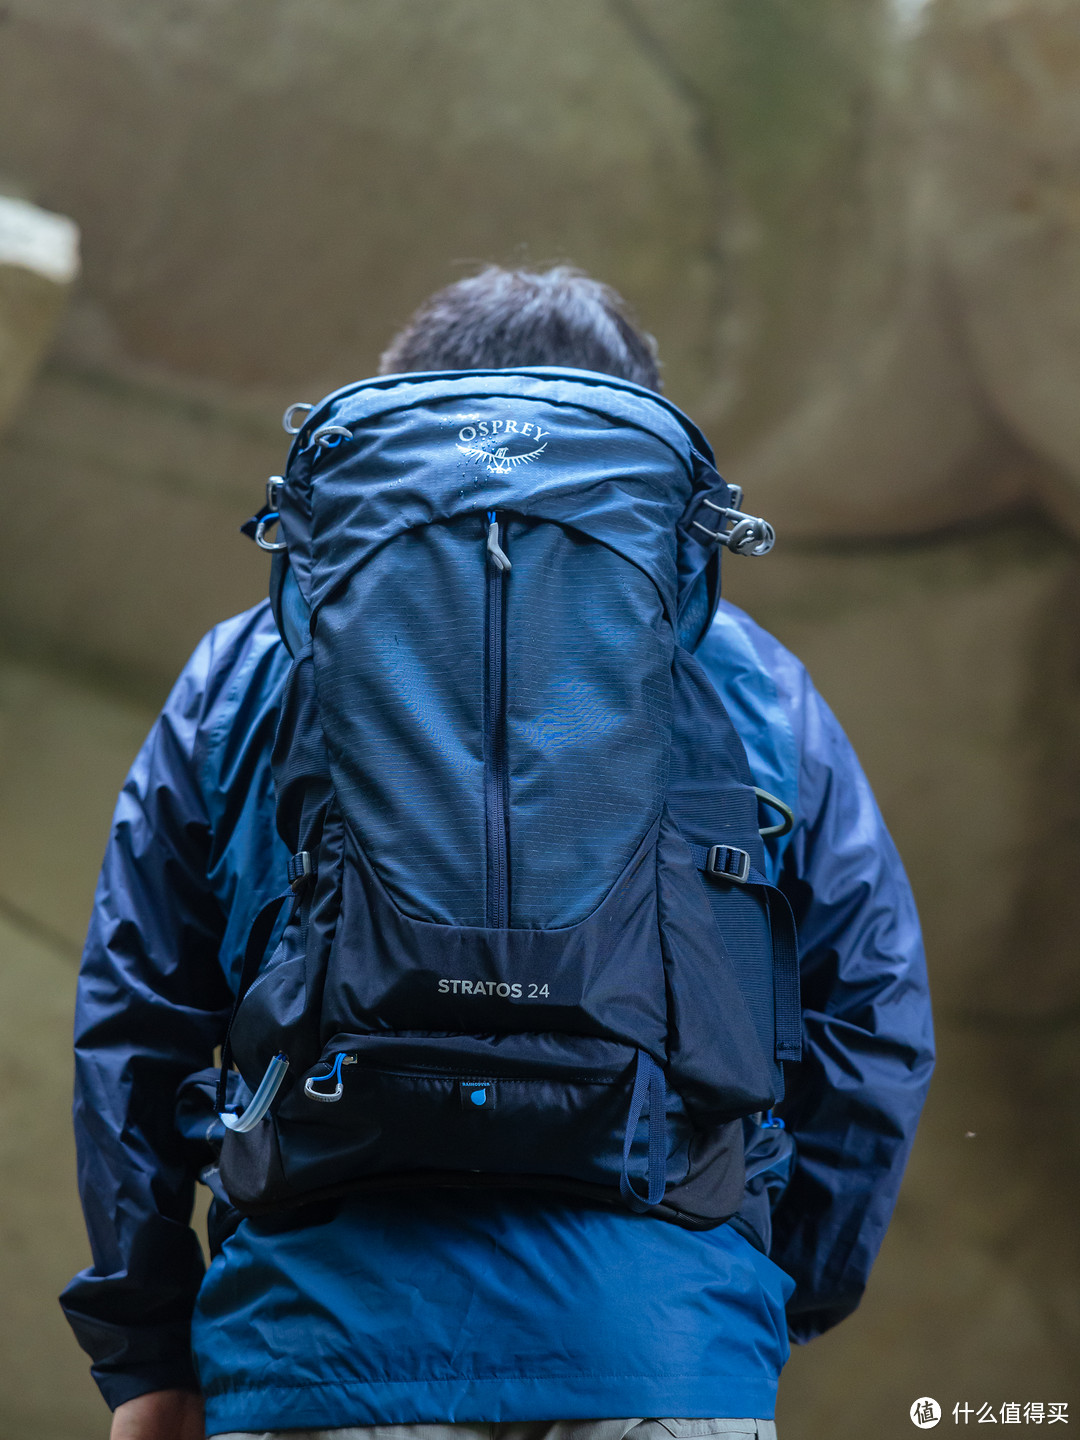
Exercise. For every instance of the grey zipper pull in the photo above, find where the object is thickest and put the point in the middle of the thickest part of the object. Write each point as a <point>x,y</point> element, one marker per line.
<point>498,555</point>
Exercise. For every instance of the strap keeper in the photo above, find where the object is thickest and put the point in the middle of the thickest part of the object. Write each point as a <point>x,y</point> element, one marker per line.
<point>728,863</point>
<point>299,871</point>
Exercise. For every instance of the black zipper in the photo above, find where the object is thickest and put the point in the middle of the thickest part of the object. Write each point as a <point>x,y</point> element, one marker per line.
<point>495,776</point>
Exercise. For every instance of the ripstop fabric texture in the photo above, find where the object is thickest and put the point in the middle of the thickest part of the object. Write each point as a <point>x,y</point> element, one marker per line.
<point>498,769</point>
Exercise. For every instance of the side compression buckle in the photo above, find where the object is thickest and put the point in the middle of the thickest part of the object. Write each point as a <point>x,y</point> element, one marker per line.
<point>299,870</point>
<point>743,534</point>
<point>728,863</point>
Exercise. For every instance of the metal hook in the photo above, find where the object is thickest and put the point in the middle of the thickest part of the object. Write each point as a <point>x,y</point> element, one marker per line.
<point>260,533</point>
<point>286,419</point>
<point>333,1074</point>
<point>331,436</point>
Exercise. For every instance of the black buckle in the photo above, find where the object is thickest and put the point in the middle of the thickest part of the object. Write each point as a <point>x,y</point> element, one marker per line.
<point>728,863</point>
<point>299,870</point>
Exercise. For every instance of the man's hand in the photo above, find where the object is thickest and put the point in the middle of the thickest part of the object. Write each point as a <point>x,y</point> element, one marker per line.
<point>161,1415</point>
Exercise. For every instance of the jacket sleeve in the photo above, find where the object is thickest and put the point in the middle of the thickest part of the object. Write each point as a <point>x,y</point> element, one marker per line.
<point>854,1102</point>
<point>152,1004</point>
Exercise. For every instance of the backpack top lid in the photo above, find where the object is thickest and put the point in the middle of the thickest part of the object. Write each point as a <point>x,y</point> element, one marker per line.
<point>604,456</point>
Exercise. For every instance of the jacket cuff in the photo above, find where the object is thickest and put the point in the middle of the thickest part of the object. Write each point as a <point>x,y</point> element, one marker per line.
<point>117,1386</point>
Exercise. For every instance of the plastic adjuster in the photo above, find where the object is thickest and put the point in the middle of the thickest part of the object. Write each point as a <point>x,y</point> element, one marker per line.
<point>299,870</point>
<point>728,863</point>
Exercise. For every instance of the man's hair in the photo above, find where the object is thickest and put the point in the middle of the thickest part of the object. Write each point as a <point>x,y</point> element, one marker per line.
<point>501,319</point>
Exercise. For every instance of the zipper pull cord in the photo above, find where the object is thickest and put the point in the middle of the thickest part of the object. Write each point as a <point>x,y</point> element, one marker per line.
<point>498,555</point>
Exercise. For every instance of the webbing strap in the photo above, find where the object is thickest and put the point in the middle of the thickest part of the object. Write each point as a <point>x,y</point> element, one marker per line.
<point>258,939</point>
<point>648,1086</point>
<point>787,995</point>
<point>787,989</point>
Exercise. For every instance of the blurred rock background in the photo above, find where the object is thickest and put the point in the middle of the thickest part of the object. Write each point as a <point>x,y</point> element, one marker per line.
<point>854,227</point>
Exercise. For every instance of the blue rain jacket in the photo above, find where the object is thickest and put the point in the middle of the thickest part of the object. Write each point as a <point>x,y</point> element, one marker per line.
<point>451,1305</point>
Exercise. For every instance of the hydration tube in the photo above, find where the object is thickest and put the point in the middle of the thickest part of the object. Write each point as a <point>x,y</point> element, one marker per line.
<point>260,1101</point>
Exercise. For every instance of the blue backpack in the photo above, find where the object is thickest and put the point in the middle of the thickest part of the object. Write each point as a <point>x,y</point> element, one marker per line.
<point>529,942</point>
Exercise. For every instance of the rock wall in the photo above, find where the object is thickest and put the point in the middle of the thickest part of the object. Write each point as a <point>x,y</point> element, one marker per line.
<point>38,261</point>
<point>853,227</point>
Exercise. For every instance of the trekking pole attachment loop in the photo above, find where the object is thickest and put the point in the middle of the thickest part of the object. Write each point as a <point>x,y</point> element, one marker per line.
<point>649,1085</point>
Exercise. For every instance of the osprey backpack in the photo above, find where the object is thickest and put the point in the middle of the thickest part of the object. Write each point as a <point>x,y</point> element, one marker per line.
<point>528,940</point>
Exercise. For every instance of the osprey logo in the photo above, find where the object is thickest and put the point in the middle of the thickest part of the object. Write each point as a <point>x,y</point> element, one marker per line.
<point>502,445</point>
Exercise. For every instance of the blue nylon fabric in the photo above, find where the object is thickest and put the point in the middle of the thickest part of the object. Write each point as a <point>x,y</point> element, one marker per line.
<point>409,770</point>
<point>485,1307</point>
<point>588,715</point>
<point>386,532</point>
<point>620,467</point>
<point>444,1306</point>
<point>747,666</point>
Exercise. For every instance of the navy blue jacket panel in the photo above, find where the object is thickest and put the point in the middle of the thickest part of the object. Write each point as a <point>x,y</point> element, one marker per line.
<point>445,1305</point>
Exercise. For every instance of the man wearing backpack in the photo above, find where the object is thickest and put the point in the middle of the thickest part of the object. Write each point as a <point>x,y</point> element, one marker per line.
<point>506,966</point>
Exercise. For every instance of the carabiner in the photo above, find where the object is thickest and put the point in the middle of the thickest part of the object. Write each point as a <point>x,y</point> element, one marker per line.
<point>333,1074</point>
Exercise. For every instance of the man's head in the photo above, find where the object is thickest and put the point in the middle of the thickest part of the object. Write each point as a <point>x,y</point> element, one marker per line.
<point>500,319</point>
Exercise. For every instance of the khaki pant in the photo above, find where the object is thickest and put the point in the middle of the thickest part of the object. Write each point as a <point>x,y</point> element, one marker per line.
<point>534,1430</point>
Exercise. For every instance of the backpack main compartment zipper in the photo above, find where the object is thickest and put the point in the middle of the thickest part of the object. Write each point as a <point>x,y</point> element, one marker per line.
<point>495,775</point>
